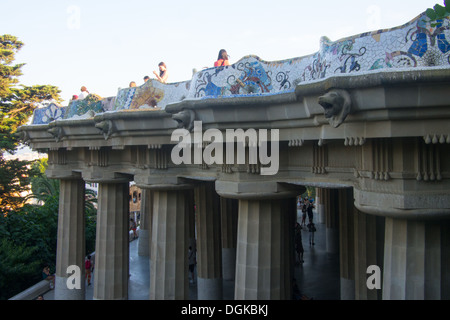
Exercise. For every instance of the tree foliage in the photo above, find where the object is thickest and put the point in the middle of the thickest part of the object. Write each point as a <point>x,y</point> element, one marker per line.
<point>28,237</point>
<point>438,11</point>
<point>17,103</point>
<point>16,260</point>
<point>27,243</point>
<point>14,179</point>
<point>46,192</point>
<point>27,233</point>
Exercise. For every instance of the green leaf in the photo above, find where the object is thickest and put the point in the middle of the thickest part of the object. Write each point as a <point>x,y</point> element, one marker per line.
<point>440,11</point>
<point>431,14</point>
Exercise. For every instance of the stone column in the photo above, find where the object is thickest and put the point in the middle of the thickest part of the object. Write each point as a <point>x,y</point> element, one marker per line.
<point>320,210</point>
<point>146,223</point>
<point>169,246</point>
<point>263,251</point>
<point>416,260</point>
<point>289,244</point>
<point>209,247</point>
<point>70,249</point>
<point>112,246</point>
<point>191,218</point>
<point>329,198</point>
<point>346,244</point>
<point>229,214</point>
<point>367,252</point>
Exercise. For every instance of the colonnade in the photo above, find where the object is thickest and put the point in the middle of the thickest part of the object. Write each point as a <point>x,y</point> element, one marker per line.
<point>249,241</point>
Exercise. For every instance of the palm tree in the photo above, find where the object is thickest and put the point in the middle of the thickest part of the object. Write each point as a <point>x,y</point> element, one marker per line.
<point>43,189</point>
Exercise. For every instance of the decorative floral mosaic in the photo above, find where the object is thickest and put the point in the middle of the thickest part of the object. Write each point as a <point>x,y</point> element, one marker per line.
<point>150,95</point>
<point>81,107</point>
<point>48,114</point>
<point>417,44</point>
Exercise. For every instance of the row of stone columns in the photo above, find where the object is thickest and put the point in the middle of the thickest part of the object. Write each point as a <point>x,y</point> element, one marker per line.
<point>257,255</point>
<point>254,252</point>
<point>412,255</point>
<point>112,247</point>
<point>257,251</point>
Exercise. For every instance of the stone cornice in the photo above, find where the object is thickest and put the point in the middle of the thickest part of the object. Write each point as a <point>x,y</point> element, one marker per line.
<point>377,78</point>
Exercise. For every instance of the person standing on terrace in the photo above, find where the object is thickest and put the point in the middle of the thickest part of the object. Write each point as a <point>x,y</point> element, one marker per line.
<point>84,93</point>
<point>163,74</point>
<point>222,59</point>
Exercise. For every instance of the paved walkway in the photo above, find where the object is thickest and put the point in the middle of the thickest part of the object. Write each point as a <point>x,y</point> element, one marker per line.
<point>317,277</point>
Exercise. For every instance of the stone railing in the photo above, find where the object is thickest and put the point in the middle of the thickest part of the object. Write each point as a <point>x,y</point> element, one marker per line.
<point>34,291</point>
<point>418,44</point>
<point>43,286</point>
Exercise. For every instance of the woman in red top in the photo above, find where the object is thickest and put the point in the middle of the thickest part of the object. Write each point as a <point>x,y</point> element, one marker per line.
<point>88,268</point>
<point>222,59</point>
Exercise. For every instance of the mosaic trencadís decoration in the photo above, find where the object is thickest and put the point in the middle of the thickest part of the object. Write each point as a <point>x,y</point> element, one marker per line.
<point>420,43</point>
<point>48,114</point>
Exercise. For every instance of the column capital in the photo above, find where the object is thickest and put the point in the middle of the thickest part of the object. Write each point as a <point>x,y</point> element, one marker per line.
<point>62,174</point>
<point>107,177</point>
<point>165,183</point>
<point>404,206</point>
<point>257,190</point>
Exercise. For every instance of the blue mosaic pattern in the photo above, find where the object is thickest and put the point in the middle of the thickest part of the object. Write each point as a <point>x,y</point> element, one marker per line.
<point>417,44</point>
<point>124,98</point>
<point>48,114</point>
<point>82,107</point>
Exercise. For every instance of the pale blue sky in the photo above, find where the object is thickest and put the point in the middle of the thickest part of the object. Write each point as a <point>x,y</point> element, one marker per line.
<point>106,44</point>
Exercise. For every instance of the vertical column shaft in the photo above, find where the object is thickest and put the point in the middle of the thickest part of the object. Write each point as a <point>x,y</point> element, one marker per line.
<point>414,261</point>
<point>320,210</point>
<point>112,245</point>
<point>367,246</point>
<point>209,247</point>
<point>169,249</point>
<point>263,254</point>
<point>329,198</point>
<point>229,214</point>
<point>191,218</point>
<point>146,223</point>
<point>71,239</point>
<point>347,244</point>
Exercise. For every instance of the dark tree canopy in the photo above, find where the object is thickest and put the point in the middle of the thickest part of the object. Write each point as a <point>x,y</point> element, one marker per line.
<point>17,103</point>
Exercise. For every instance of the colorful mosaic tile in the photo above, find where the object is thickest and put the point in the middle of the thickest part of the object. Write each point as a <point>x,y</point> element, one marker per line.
<point>420,43</point>
<point>81,107</point>
<point>417,44</point>
<point>48,114</point>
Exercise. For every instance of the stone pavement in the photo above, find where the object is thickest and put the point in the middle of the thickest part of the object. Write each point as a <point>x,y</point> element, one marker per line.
<point>317,277</point>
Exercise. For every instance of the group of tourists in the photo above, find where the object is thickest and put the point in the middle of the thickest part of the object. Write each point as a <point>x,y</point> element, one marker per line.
<point>162,74</point>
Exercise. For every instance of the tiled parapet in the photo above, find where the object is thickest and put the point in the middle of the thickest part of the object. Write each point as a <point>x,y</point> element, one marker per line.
<point>47,114</point>
<point>418,44</point>
<point>85,107</point>
<point>152,94</point>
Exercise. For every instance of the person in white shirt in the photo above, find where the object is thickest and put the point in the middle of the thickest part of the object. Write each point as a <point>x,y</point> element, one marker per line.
<point>84,93</point>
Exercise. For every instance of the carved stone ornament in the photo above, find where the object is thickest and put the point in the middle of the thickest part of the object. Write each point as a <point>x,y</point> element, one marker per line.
<point>337,105</point>
<point>185,119</point>
<point>57,133</point>
<point>106,127</point>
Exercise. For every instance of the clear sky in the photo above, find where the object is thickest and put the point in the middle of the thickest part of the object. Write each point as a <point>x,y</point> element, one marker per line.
<point>106,44</point>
